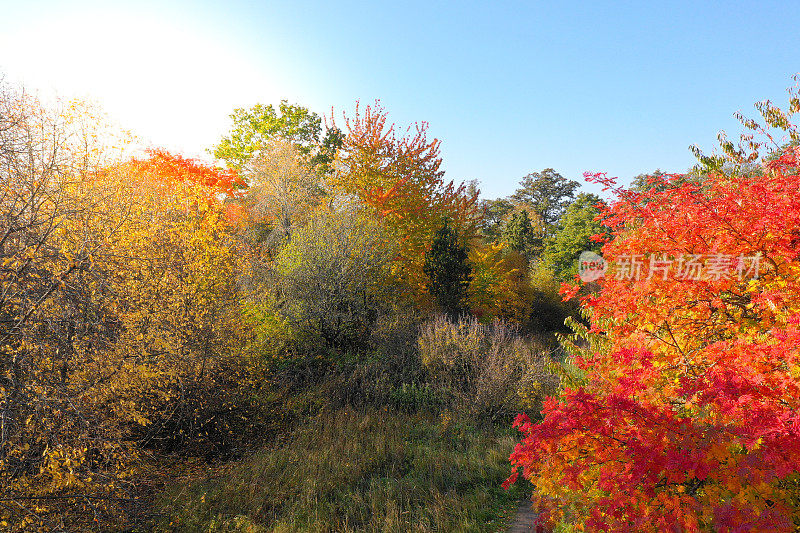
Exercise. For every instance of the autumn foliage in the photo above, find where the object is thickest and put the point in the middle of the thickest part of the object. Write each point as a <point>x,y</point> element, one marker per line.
<point>118,321</point>
<point>156,308</point>
<point>400,178</point>
<point>690,419</point>
<point>178,170</point>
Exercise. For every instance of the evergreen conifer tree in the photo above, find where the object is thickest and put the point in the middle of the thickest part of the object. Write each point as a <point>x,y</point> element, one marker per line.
<point>448,270</point>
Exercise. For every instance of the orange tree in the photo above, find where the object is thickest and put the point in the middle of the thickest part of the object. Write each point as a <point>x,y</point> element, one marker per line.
<point>400,179</point>
<point>689,418</point>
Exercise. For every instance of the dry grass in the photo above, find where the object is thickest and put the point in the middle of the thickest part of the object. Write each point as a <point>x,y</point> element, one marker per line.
<point>491,371</point>
<point>346,471</point>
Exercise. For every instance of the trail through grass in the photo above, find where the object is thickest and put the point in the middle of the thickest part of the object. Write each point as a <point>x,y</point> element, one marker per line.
<point>343,471</point>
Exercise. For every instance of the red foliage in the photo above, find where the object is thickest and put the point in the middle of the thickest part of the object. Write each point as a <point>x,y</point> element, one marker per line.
<point>690,420</point>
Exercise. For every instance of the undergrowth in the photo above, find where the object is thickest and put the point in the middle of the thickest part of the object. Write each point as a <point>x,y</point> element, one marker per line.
<point>357,470</point>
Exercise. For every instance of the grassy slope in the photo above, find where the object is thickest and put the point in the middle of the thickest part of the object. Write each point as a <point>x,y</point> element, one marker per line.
<point>372,470</point>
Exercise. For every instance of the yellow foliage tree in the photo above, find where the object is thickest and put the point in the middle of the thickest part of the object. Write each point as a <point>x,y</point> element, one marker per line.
<point>118,315</point>
<point>283,191</point>
<point>499,285</point>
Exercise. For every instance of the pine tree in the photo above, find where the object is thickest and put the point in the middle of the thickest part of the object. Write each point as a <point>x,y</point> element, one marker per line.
<point>449,271</point>
<point>518,233</point>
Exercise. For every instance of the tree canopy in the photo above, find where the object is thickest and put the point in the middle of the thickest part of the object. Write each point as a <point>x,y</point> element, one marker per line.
<point>254,127</point>
<point>548,193</point>
<point>573,235</point>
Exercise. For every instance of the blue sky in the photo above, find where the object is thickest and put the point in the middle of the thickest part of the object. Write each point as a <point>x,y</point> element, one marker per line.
<point>509,87</point>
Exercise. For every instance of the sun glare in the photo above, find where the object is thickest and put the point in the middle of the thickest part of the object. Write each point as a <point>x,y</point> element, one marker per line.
<point>163,80</point>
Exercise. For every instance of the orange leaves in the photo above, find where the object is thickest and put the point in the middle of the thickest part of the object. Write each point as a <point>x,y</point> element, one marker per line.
<point>689,419</point>
<point>193,183</point>
<point>400,178</point>
<point>382,200</point>
<point>176,169</point>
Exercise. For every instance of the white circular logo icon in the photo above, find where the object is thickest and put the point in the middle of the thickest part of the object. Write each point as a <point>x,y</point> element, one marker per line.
<point>591,266</point>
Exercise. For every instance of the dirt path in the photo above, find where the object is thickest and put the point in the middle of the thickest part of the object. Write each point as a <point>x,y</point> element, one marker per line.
<point>523,522</point>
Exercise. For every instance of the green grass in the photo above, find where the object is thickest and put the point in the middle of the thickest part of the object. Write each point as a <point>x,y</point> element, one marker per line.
<point>372,470</point>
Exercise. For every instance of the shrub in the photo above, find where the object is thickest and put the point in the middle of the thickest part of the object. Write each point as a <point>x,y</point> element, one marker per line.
<point>687,418</point>
<point>488,371</point>
<point>118,317</point>
<point>334,279</point>
<point>548,311</point>
<point>413,397</point>
<point>499,287</point>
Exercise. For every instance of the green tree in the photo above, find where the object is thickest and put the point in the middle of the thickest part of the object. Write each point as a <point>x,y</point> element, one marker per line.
<point>448,270</point>
<point>494,215</point>
<point>661,181</point>
<point>572,236</point>
<point>334,278</point>
<point>548,193</point>
<point>519,234</point>
<point>645,182</point>
<point>253,127</point>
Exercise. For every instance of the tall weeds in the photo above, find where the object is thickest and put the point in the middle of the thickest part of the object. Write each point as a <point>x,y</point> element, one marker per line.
<point>488,371</point>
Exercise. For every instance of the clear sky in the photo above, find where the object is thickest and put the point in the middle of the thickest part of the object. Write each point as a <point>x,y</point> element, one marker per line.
<point>509,87</point>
